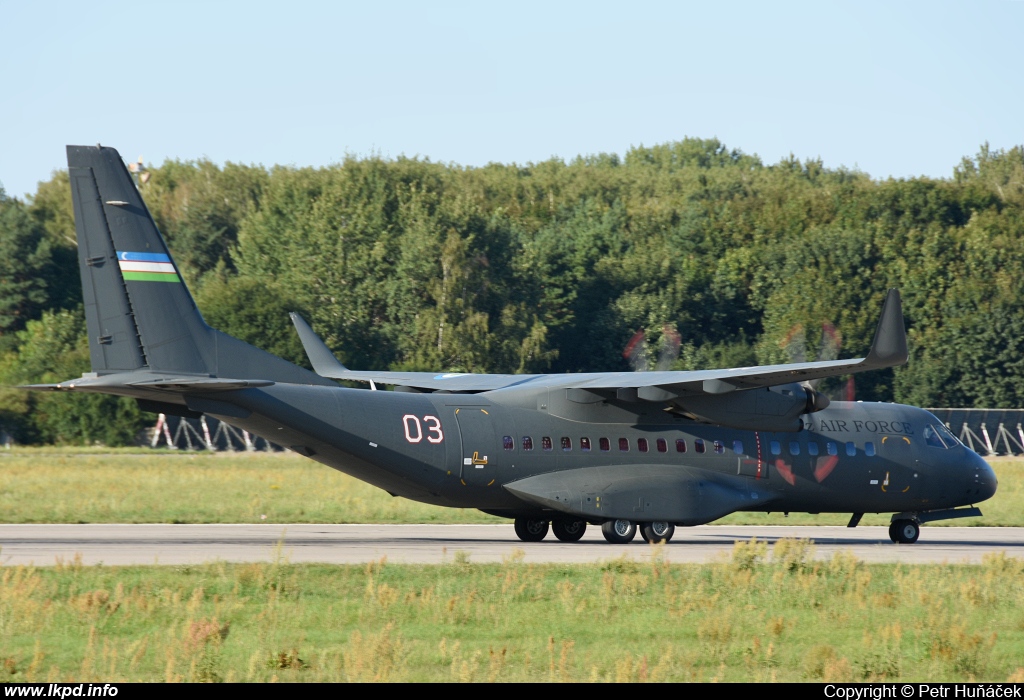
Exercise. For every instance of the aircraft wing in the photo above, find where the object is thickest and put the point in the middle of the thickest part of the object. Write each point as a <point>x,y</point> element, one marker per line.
<point>889,349</point>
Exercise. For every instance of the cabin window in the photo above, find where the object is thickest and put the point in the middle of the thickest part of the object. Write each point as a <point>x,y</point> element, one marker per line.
<point>794,447</point>
<point>642,444</point>
<point>508,443</point>
<point>776,447</point>
<point>680,445</point>
<point>812,449</point>
<point>545,444</point>
<point>869,449</point>
<point>605,444</point>
<point>623,445</point>
<point>566,444</point>
<point>719,447</point>
<point>931,437</point>
<point>662,445</point>
<point>737,446</point>
<point>831,448</point>
<point>698,446</point>
<point>527,443</point>
<point>585,444</point>
<point>851,450</point>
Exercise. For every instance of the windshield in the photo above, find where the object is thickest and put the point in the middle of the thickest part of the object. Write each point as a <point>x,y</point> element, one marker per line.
<point>947,436</point>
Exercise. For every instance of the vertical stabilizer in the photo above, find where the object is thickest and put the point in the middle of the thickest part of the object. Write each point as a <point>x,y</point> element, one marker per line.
<point>139,312</point>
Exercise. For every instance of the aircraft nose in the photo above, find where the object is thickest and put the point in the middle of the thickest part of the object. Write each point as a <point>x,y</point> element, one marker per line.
<point>982,482</point>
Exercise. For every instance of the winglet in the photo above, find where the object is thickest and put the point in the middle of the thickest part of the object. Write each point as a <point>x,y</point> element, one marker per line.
<point>889,348</point>
<point>320,356</point>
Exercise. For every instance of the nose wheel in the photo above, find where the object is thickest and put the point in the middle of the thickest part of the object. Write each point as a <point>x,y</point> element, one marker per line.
<point>904,531</point>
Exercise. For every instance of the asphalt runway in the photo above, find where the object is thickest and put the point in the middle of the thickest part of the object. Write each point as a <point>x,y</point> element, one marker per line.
<point>45,545</point>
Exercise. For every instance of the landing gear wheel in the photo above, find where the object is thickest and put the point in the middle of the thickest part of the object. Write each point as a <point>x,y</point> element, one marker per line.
<point>569,530</point>
<point>619,531</point>
<point>657,532</point>
<point>530,530</point>
<point>904,531</point>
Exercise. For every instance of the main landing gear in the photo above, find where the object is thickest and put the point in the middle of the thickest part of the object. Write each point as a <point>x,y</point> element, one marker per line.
<point>623,531</point>
<point>619,531</point>
<point>615,531</point>
<point>904,531</point>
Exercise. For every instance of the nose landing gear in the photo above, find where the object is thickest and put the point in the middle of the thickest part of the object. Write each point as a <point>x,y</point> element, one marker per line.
<point>904,531</point>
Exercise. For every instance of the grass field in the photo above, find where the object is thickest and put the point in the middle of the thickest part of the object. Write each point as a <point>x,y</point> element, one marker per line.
<point>137,486</point>
<point>750,617</point>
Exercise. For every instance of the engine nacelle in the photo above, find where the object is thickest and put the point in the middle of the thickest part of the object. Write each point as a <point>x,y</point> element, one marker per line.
<point>774,409</point>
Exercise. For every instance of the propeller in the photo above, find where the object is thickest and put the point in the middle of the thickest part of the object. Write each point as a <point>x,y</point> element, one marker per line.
<point>795,343</point>
<point>140,171</point>
<point>638,350</point>
<point>671,344</point>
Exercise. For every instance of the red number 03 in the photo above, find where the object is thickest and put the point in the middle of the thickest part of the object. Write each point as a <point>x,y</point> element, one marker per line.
<point>414,429</point>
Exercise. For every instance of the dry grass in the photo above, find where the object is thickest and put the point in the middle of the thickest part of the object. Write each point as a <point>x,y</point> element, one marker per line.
<point>65,486</point>
<point>90,486</point>
<point>760,615</point>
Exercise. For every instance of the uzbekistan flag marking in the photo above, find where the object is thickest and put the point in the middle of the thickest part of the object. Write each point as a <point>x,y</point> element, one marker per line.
<point>146,267</point>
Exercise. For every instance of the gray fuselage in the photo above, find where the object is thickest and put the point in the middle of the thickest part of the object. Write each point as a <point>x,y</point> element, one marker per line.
<point>518,453</point>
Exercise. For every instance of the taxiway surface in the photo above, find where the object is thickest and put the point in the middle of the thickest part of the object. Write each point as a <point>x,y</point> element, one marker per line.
<point>44,545</point>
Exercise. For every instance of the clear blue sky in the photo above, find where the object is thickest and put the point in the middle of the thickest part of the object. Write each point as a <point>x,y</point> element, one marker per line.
<point>892,88</point>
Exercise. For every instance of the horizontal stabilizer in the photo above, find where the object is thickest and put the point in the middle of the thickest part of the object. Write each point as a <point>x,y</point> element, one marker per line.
<point>150,380</point>
<point>192,385</point>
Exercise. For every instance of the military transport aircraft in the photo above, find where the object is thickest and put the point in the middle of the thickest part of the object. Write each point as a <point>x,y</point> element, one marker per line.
<point>619,450</point>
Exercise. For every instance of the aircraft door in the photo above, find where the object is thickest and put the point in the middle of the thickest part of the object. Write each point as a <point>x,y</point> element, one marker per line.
<point>481,450</point>
<point>900,473</point>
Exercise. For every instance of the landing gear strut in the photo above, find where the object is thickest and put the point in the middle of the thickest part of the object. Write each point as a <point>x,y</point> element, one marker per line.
<point>530,530</point>
<point>904,531</point>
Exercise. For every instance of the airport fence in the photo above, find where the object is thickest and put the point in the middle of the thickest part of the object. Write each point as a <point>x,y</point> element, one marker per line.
<point>987,431</point>
<point>204,433</point>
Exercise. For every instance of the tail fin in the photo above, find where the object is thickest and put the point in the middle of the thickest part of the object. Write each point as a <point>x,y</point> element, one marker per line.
<point>139,314</point>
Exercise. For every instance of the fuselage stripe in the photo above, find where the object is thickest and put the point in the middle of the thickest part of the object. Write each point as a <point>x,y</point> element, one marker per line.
<point>128,266</point>
<point>150,277</point>
<point>143,257</point>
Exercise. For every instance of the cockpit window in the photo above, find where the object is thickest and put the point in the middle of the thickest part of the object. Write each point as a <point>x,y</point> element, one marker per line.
<point>947,436</point>
<point>931,437</point>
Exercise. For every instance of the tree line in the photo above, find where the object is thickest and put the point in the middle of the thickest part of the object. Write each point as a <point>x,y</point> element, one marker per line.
<point>550,267</point>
